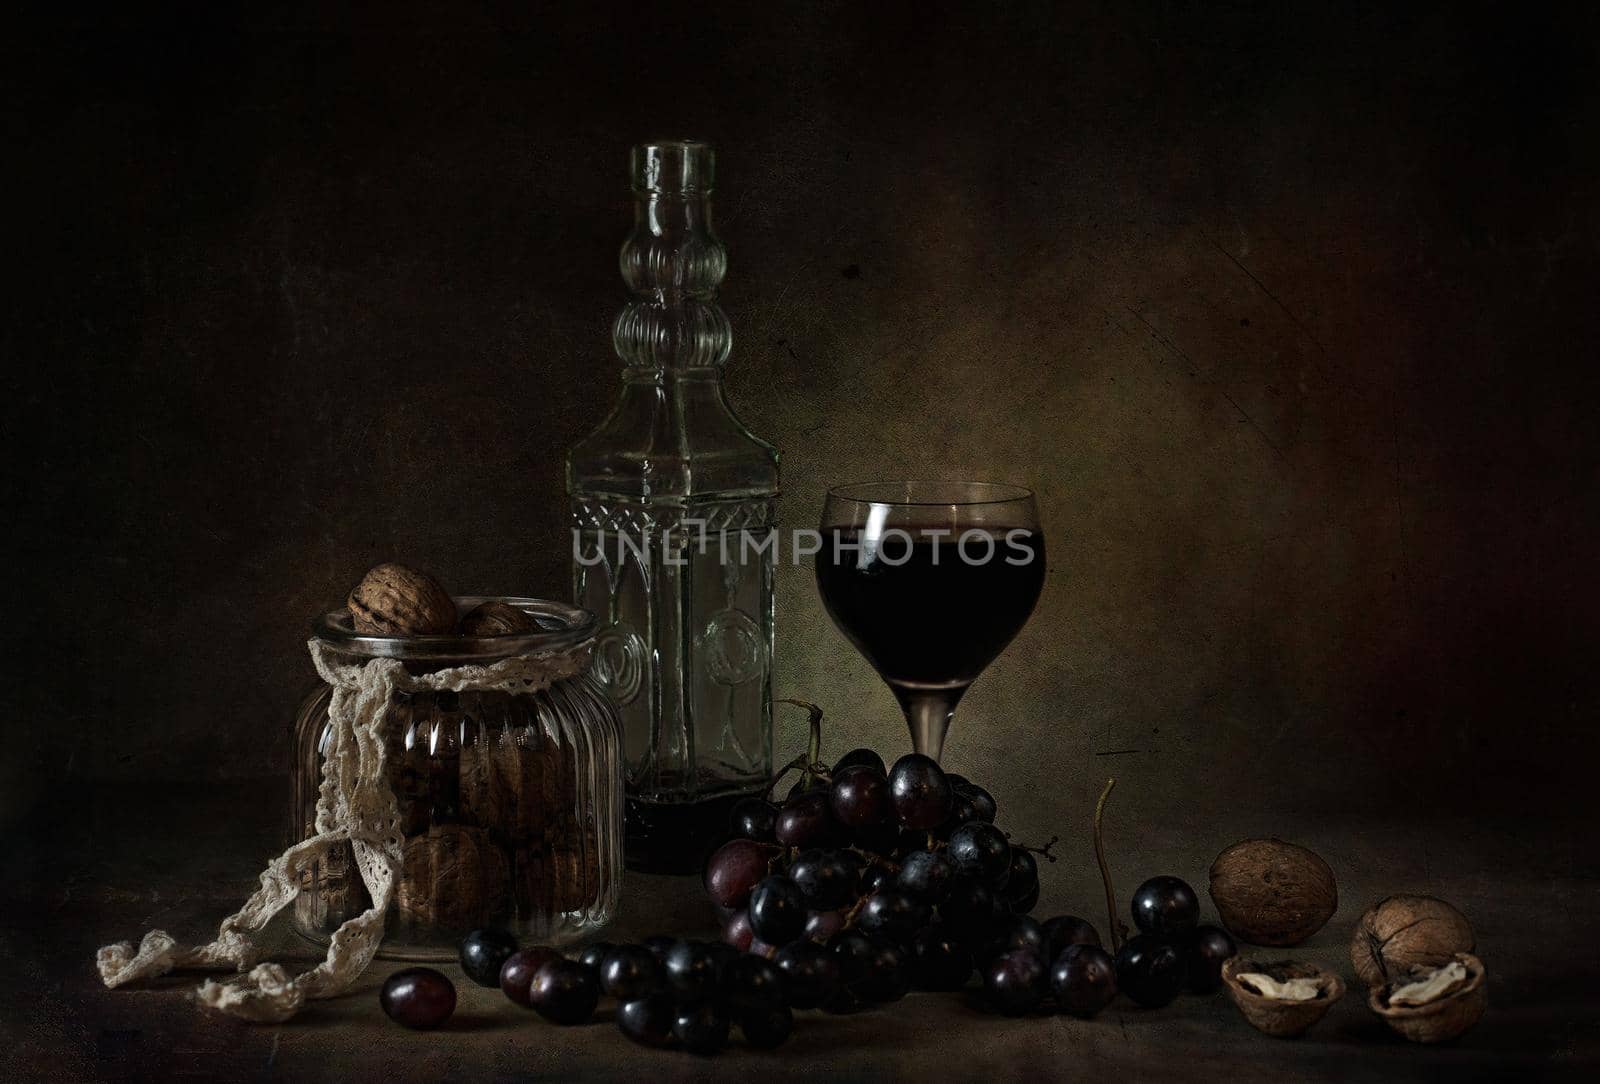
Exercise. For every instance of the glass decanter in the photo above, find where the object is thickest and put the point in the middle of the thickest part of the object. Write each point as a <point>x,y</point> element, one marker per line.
<point>674,532</point>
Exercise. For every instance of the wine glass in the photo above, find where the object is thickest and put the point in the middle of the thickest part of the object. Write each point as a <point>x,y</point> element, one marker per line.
<point>930,581</point>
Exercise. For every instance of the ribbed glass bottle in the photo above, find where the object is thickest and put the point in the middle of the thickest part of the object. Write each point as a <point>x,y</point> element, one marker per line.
<point>674,527</point>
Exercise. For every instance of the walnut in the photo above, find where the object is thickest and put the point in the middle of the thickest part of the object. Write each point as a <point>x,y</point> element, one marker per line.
<point>393,600</point>
<point>1434,1005</point>
<point>453,878</point>
<point>1404,933</point>
<point>497,619</point>
<point>1269,892</point>
<point>1283,998</point>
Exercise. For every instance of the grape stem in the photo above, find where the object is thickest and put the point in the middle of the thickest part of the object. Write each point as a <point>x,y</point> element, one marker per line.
<point>809,763</point>
<point>1118,931</point>
<point>1042,852</point>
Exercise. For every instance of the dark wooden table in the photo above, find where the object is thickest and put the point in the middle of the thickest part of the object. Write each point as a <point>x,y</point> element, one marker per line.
<point>126,862</point>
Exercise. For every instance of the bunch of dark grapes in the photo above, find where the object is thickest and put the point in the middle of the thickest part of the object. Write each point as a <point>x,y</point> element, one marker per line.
<point>864,884</point>
<point>903,879</point>
<point>868,882</point>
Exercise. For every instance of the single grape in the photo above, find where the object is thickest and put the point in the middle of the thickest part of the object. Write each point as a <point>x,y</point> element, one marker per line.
<point>813,785</point>
<point>1083,979</point>
<point>765,1028</point>
<point>648,1020</point>
<point>1017,933</point>
<point>483,953</point>
<point>659,945</point>
<point>806,821</point>
<point>968,907</point>
<point>920,792</point>
<point>701,1028</point>
<point>693,971</point>
<point>631,971</point>
<point>593,955</point>
<point>826,879</point>
<point>733,870</point>
<point>888,973</point>
<point>753,983</point>
<point>564,992</point>
<point>1150,970</point>
<point>980,851</point>
<point>893,914</point>
<point>1208,949</point>
<point>859,756</point>
<point>810,973</point>
<point>983,804</point>
<point>876,877</point>
<point>736,930</point>
<point>777,910</point>
<point>1064,930</point>
<point>754,818</point>
<point>853,949</point>
<point>821,925</point>
<point>926,875</point>
<point>962,811</point>
<point>516,974</point>
<point>1165,905</point>
<point>418,997</point>
<point>1016,982</point>
<point>1022,880</point>
<point>859,797</point>
<point>1000,913</point>
<point>940,960</point>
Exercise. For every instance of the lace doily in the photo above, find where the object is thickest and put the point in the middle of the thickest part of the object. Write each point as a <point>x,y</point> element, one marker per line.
<point>355,805</point>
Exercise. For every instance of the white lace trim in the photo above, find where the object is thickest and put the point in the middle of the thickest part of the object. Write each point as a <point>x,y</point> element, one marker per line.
<point>354,804</point>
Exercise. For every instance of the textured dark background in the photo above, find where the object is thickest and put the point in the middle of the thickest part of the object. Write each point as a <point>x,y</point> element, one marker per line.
<point>1289,315</point>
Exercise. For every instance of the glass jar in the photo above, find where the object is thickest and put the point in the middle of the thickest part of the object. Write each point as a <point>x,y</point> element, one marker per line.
<point>510,803</point>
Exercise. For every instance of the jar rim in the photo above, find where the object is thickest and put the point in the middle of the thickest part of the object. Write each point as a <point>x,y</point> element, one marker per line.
<point>561,625</point>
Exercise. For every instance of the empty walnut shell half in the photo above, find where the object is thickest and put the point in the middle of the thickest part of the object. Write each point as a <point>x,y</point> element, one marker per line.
<point>1269,892</point>
<point>1401,934</point>
<point>497,619</point>
<point>1441,1019</point>
<point>1279,1016</point>
<point>393,600</point>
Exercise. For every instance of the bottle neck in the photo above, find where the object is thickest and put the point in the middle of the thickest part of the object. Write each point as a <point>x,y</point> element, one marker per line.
<point>673,263</point>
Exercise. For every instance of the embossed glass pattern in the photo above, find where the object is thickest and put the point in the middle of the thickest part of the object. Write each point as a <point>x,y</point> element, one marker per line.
<point>674,519</point>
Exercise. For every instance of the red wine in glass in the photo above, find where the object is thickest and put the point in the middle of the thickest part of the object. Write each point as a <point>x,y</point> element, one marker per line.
<point>930,581</point>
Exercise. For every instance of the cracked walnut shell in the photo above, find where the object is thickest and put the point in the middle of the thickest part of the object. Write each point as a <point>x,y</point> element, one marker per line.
<point>1402,934</point>
<point>1434,1005</point>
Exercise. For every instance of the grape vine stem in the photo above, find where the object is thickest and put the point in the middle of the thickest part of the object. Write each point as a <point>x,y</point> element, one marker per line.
<point>810,762</point>
<point>1118,932</point>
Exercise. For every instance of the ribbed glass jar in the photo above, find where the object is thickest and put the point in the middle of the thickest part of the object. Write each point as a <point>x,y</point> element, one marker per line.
<point>510,803</point>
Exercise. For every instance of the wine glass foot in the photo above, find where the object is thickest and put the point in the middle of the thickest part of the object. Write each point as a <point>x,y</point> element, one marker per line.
<point>928,715</point>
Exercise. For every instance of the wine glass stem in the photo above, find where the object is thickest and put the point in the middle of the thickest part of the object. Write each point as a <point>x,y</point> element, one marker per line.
<point>928,715</point>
